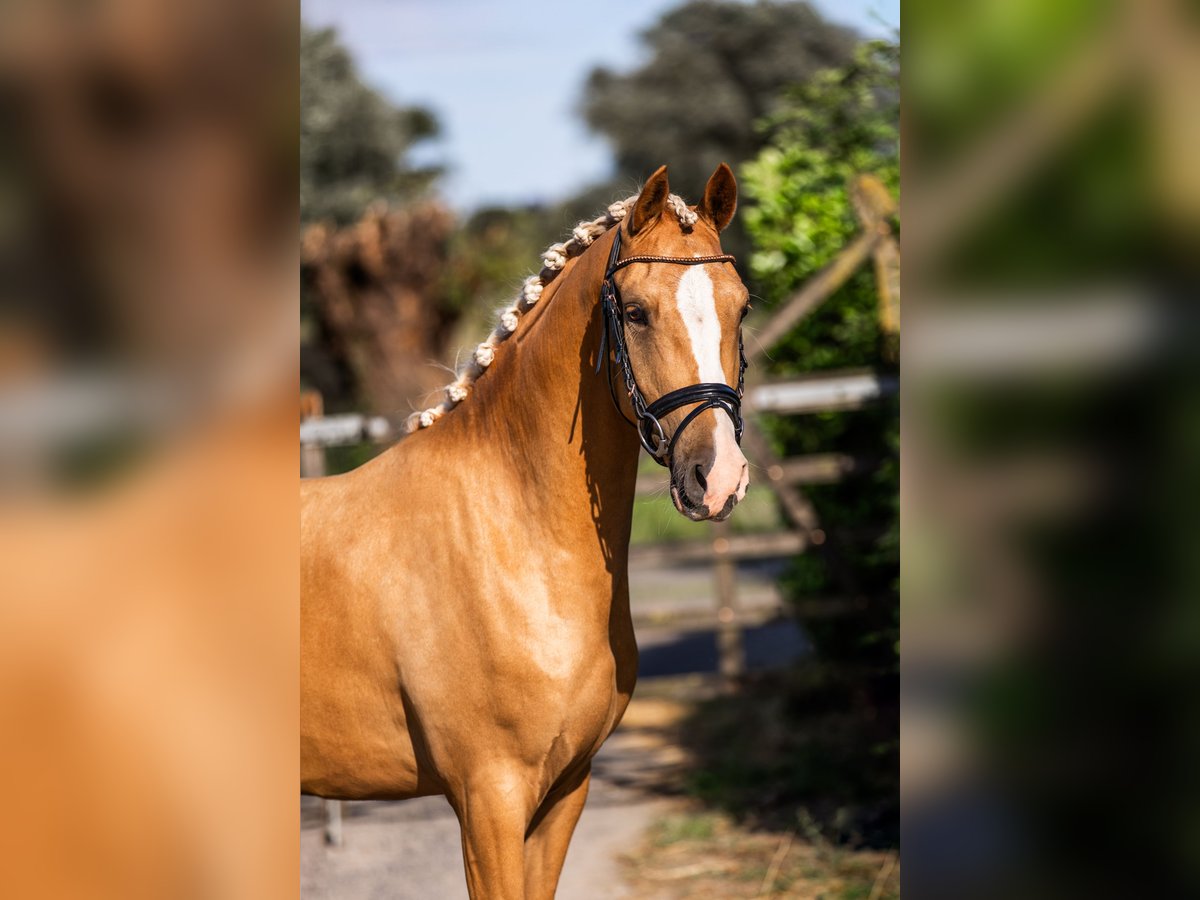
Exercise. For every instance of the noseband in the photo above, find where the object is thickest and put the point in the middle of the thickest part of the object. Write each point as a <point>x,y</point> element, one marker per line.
<point>649,415</point>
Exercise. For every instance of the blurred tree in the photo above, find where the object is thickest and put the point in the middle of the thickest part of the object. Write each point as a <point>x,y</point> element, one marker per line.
<point>381,311</point>
<point>376,303</point>
<point>497,247</point>
<point>716,68</point>
<point>842,123</point>
<point>817,748</point>
<point>353,142</point>
<point>1095,213</point>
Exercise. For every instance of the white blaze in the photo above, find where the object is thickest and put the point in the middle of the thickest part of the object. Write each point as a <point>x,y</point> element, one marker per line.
<point>698,308</point>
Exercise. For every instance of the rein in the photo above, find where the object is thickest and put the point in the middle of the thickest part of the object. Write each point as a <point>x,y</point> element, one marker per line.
<point>707,395</point>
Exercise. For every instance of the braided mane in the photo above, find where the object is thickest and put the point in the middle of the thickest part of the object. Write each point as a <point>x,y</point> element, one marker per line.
<point>553,261</point>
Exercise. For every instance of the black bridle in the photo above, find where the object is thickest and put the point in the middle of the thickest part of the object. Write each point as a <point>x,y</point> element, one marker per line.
<point>705,396</point>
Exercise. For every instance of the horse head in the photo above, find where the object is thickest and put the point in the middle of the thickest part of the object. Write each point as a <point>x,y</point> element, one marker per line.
<point>679,303</point>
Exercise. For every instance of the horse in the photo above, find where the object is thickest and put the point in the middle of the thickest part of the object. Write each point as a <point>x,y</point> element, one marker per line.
<point>465,623</point>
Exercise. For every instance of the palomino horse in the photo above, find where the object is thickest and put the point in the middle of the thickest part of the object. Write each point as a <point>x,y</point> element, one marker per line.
<point>465,624</point>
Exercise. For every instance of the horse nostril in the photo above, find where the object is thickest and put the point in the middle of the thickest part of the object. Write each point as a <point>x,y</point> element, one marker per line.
<point>700,480</point>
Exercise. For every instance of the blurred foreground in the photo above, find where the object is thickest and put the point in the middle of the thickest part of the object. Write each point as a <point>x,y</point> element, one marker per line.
<point>1050,446</point>
<point>148,374</point>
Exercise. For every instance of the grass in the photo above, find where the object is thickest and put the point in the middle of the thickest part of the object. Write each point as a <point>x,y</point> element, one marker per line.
<point>690,827</point>
<point>702,854</point>
<point>792,790</point>
<point>799,750</point>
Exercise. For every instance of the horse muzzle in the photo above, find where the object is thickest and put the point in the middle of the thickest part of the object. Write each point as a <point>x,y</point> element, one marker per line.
<point>710,489</point>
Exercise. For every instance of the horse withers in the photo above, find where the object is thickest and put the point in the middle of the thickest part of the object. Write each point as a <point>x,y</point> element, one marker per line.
<point>465,624</point>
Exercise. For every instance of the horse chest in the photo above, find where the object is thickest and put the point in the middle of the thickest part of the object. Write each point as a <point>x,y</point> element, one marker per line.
<point>540,675</point>
<point>583,685</point>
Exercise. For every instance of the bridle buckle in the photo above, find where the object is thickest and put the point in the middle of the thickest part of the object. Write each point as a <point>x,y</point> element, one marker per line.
<point>655,442</point>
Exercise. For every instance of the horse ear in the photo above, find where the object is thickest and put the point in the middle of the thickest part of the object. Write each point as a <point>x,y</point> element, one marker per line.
<point>720,197</point>
<point>651,201</point>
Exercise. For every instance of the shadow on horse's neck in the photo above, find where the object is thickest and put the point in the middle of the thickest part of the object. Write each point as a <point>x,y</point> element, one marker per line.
<point>544,405</point>
<point>608,445</point>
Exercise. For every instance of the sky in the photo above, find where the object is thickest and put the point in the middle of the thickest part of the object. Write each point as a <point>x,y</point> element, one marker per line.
<point>505,80</point>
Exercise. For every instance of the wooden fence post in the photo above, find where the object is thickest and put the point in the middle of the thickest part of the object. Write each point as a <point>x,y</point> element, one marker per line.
<point>312,454</point>
<point>731,655</point>
<point>333,822</point>
<point>312,460</point>
<point>873,205</point>
<point>814,292</point>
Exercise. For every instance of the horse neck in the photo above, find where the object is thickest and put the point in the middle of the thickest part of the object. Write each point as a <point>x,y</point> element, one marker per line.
<point>542,407</point>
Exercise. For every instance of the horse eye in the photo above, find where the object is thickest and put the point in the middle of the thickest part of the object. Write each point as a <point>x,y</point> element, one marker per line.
<point>745,311</point>
<point>635,314</point>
